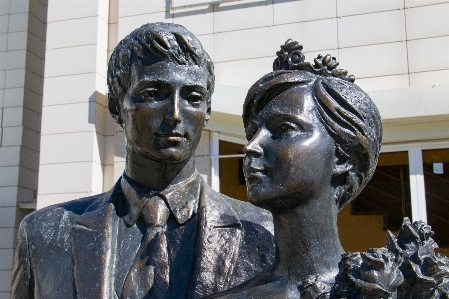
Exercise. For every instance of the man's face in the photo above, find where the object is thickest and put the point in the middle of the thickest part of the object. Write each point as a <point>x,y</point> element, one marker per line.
<point>164,111</point>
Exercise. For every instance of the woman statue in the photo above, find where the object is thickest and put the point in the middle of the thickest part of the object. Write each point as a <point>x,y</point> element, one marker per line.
<point>313,144</point>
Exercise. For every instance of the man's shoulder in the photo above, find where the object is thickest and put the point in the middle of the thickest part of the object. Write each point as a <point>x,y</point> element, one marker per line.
<point>62,214</point>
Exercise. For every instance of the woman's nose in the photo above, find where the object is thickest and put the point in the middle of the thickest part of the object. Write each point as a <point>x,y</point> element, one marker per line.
<point>253,147</point>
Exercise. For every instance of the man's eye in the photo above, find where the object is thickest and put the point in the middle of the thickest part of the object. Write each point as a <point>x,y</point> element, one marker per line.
<point>149,93</point>
<point>194,97</point>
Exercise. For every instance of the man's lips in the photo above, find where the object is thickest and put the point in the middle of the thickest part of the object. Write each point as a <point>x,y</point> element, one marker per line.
<point>172,136</point>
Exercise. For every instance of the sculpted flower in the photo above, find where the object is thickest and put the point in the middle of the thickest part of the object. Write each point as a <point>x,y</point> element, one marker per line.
<point>314,288</point>
<point>426,273</point>
<point>372,274</point>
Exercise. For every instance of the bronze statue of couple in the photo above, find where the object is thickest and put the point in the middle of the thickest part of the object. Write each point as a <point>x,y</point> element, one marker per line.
<point>161,232</point>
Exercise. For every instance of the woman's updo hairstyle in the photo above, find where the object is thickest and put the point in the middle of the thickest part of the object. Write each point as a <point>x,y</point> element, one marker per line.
<point>346,111</point>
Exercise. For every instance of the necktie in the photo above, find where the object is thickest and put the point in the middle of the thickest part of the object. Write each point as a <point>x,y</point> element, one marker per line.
<point>149,275</point>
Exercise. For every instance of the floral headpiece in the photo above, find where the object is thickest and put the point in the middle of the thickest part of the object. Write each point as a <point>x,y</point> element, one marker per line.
<point>290,57</point>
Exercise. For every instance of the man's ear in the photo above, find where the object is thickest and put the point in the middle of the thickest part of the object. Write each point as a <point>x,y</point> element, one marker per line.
<point>114,109</point>
<point>206,120</point>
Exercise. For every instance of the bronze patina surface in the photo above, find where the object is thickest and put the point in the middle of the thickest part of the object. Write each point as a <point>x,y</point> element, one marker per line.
<point>313,143</point>
<point>161,231</point>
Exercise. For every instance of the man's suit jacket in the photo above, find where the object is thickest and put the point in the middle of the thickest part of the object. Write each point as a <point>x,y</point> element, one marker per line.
<point>59,245</point>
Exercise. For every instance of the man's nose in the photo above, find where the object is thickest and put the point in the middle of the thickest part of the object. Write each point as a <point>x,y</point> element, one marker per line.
<point>174,111</point>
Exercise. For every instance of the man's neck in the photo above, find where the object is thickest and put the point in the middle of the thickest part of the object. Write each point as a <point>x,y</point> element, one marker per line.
<point>157,175</point>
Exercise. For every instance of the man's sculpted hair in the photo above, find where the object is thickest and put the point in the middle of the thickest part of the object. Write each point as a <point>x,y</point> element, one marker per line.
<point>345,110</point>
<point>150,44</point>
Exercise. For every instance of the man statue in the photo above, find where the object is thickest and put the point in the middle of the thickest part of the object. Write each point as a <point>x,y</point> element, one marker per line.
<point>161,232</point>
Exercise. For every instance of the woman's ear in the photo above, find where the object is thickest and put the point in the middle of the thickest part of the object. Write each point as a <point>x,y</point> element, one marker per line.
<point>343,163</point>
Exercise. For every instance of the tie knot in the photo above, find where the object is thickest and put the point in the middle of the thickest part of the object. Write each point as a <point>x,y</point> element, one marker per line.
<point>155,212</point>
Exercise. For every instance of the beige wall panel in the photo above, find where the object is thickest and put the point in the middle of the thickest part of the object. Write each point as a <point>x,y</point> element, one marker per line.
<point>6,258</point>
<point>299,11</point>
<point>12,136</point>
<point>414,3</point>
<point>4,23</point>
<point>71,9</point>
<point>119,167</point>
<point>70,33</point>
<point>51,199</point>
<point>38,10</point>
<point>3,60</point>
<point>375,60</point>
<point>69,89</point>
<point>30,100</point>
<point>198,23</point>
<point>207,41</point>
<point>246,16</point>
<point>54,148</point>
<point>18,6</point>
<point>29,159</point>
<point>374,28</point>
<point>9,195</point>
<point>9,176</point>
<point>17,41</point>
<point>4,8</point>
<point>31,119</point>
<point>3,42</point>
<point>428,54</point>
<point>242,73</point>
<point>429,78</point>
<point>427,21</point>
<point>68,118</point>
<point>8,217</point>
<point>355,7</point>
<point>2,79</point>
<point>30,138</point>
<point>5,281</point>
<point>35,45</point>
<point>36,27</point>
<point>14,78</point>
<point>9,155</point>
<point>18,22</point>
<point>15,59</point>
<point>139,7</point>
<point>102,65</point>
<point>65,178</point>
<point>33,82</point>
<point>27,178</point>
<point>127,24</point>
<point>7,237</point>
<point>34,63</point>
<point>120,146</point>
<point>82,60</point>
<point>314,36</point>
<point>243,44</point>
<point>12,117</point>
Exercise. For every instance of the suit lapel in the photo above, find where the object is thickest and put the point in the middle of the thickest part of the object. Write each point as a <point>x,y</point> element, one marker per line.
<point>94,239</point>
<point>217,244</point>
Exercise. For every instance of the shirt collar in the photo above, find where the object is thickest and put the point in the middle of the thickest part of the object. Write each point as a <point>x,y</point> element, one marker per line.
<point>182,199</point>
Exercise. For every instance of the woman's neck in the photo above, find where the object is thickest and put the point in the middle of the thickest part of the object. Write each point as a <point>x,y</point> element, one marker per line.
<point>307,241</point>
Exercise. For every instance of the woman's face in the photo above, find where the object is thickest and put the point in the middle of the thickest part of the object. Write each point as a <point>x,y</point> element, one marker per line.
<point>290,155</point>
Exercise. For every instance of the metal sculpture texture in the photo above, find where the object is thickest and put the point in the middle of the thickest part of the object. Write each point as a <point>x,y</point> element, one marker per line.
<point>161,232</point>
<point>313,144</point>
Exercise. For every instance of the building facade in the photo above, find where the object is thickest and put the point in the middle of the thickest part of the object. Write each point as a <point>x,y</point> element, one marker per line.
<point>58,142</point>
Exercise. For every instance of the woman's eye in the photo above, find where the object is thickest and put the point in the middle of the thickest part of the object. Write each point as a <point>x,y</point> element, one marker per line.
<point>194,97</point>
<point>286,127</point>
<point>149,93</point>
